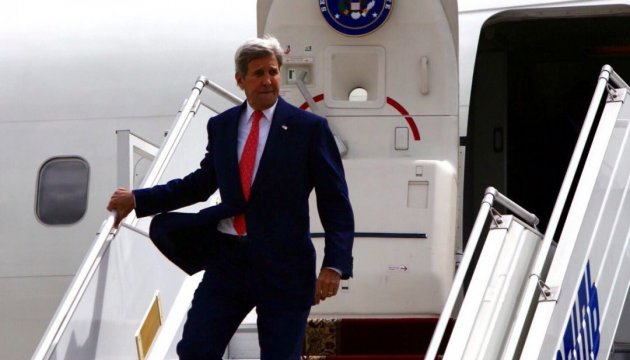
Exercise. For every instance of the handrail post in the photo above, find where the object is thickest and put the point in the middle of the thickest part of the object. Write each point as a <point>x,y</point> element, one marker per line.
<point>473,239</point>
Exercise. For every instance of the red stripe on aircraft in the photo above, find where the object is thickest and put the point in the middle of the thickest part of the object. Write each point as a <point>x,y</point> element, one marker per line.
<point>316,98</point>
<point>405,113</point>
<point>390,101</point>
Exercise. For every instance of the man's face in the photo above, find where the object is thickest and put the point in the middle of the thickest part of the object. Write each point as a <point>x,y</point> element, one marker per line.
<point>261,83</point>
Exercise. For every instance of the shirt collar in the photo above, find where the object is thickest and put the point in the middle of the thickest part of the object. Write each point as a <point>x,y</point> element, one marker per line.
<point>268,113</point>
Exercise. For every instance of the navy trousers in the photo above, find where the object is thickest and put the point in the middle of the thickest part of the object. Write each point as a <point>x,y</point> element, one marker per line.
<point>184,240</point>
<point>228,292</point>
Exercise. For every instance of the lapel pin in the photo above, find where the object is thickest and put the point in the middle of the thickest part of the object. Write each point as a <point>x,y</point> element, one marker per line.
<point>284,127</point>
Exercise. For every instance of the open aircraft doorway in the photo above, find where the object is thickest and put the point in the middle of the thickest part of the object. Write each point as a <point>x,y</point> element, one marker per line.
<point>532,85</point>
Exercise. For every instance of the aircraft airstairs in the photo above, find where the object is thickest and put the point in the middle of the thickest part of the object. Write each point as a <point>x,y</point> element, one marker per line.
<point>112,310</point>
<point>527,298</point>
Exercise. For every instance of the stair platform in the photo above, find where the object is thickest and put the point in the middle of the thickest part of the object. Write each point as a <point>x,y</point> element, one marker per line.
<point>369,338</point>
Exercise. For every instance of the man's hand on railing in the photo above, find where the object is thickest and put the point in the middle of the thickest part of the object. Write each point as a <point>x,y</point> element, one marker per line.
<point>122,202</point>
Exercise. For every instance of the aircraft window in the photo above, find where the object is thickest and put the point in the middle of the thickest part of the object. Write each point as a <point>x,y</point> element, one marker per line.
<point>62,190</point>
<point>358,94</point>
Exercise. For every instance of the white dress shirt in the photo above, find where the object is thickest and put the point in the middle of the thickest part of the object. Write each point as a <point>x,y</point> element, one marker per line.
<point>244,125</point>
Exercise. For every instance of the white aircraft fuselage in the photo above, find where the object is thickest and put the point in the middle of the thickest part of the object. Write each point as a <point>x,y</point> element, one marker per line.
<point>72,74</point>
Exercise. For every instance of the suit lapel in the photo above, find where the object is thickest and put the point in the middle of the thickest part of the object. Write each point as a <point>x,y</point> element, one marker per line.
<point>274,141</point>
<point>230,142</point>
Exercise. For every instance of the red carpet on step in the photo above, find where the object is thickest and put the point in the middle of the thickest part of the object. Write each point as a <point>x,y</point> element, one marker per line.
<point>401,336</point>
<point>370,339</point>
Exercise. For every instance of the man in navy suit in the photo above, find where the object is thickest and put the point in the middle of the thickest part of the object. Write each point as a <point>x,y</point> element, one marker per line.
<point>254,246</point>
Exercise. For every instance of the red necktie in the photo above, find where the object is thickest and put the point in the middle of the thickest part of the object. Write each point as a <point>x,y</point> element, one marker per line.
<point>246,167</point>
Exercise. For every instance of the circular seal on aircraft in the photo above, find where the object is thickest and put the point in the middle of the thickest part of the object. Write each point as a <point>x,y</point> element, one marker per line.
<point>355,17</point>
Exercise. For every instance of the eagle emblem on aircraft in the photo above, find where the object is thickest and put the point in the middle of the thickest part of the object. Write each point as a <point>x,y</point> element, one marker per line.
<point>355,17</point>
<point>354,8</point>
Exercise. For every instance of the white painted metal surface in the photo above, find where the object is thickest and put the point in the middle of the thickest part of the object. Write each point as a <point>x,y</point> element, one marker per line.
<point>486,316</point>
<point>585,290</point>
<point>402,145</point>
<point>397,276</point>
<point>486,266</point>
<point>590,274</point>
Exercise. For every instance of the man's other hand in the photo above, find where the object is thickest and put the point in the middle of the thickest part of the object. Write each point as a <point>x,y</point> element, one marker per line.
<point>327,284</point>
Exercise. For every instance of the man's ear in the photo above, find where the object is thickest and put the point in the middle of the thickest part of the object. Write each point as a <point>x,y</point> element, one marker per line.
<point>239,80</point>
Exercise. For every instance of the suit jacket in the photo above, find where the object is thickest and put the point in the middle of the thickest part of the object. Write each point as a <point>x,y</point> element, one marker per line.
<point>300,155</point>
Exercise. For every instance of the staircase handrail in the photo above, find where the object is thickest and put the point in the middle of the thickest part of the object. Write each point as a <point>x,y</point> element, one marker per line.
<point>491,195</point>
<point>187,112</point>
<point>606,77</point>
<point>533,285</point>
<point>107,231</point>
<point>607,74</point>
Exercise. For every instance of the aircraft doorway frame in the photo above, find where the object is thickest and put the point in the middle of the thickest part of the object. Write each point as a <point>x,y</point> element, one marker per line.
<point>530,90</point>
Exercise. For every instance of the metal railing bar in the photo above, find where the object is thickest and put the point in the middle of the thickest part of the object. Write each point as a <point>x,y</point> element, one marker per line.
<point>515,208</point>
<point>491,196</point>
<point>531,289</point>
<point>571,171</point>
<point>221,91</point>
<point>473,240</point>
